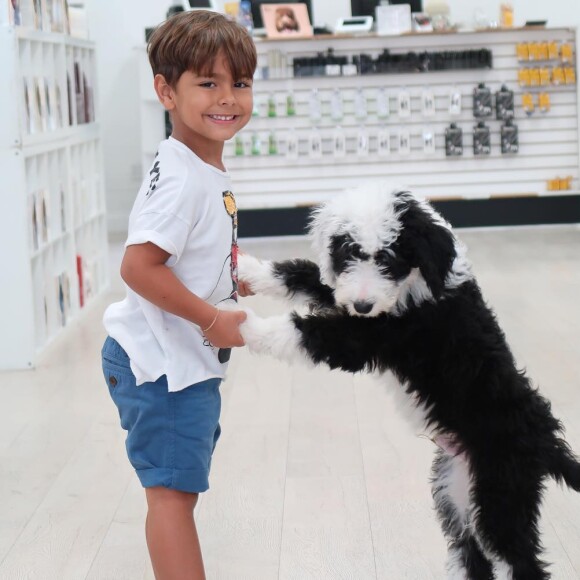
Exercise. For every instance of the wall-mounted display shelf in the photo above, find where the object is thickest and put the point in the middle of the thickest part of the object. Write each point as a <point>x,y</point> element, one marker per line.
<point>461,116</point>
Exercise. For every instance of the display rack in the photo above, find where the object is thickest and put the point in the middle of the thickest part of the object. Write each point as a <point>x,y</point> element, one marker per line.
<point>287,159</point>
<point>54,231</point>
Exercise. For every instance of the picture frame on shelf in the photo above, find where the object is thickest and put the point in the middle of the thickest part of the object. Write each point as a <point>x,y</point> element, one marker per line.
<point>14,13</point>
<point>286,20</point>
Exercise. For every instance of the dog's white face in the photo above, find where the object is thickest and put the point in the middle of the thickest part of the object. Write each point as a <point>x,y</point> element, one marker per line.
<point>380,249</point>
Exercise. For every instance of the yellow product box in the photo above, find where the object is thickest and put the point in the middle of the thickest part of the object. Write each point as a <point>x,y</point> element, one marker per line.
<point>566,52</point>
<point>553,50</point>
<point>558,77</point>
<point>545,76</point>
<point>543,51</point>
<point>570,75</point>
<point>544,102</point>
<point>535,77</point>
<point>528,103</point>
<point>524,77</point>
<point>522,51</point>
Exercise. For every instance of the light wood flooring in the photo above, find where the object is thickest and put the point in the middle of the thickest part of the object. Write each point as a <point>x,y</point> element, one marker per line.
<point>315,477</point>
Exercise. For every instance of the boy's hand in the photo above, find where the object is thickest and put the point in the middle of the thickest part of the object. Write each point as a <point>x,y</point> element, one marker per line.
<point>225,332</point>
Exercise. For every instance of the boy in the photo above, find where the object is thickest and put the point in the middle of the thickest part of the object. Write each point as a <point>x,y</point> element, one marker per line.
<point>169,340</point>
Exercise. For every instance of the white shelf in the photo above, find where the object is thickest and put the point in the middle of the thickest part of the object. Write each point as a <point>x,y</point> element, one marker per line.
<point>51,160</point>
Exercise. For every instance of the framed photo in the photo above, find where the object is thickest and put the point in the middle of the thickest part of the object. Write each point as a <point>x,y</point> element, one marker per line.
<point>286,20</point>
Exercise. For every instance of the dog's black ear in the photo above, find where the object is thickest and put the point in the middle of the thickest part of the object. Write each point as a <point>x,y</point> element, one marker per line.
<point>425,244</point>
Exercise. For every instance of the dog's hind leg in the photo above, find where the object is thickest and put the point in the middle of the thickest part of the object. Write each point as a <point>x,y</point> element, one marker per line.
<point>507,524</point>
<point>451,492</point>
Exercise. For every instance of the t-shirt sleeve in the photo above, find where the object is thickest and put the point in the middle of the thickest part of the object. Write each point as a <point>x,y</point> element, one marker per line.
<point>165,216</point>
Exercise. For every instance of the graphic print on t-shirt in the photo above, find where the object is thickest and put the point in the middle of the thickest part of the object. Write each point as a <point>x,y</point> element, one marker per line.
<point>232,258</point>
<point>155,174</point>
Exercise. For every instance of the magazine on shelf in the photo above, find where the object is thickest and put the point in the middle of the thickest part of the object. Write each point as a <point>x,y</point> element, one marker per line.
<point>33,222</point>
<point>70,99</point>
<point>27,109</point>
<point>63,297</point>
<point>52,104</point>
<point>81,280</point>
<point>62,210</point>
<point>14,12</point>
<point>79,94</point>
<point>38,14</point>
<point>42,215</point>
<point>43,106</point>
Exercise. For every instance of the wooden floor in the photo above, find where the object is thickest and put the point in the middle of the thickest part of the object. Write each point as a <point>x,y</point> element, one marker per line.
<point>315,477</point>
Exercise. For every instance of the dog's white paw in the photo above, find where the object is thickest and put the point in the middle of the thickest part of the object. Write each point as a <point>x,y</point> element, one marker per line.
<point>276,336</point>
<point>256,273</point>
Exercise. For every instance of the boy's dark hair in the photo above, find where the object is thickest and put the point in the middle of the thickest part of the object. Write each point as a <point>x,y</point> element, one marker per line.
<point>190,41</point>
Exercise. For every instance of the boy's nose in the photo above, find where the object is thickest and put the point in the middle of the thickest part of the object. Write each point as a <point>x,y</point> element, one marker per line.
<point>227,98</point>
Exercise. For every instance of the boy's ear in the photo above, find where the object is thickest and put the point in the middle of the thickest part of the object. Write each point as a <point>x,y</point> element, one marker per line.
<point>164,92</point>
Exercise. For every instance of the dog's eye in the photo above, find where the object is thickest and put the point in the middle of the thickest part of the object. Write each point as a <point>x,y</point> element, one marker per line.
<point>357,253</point>
<point>391,264</point>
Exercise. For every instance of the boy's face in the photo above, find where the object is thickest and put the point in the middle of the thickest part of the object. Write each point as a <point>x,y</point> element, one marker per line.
<point>208,110</point>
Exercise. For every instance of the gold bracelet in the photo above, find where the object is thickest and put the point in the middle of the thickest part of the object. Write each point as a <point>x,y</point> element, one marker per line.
<point>213,321</point>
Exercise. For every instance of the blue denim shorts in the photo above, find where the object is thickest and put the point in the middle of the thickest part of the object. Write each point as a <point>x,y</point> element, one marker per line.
<point>170,435</point>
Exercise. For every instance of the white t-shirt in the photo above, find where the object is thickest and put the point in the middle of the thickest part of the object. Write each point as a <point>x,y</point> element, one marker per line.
<point>186,207</point>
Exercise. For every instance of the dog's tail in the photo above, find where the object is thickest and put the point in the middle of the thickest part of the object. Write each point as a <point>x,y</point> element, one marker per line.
<point>565,467</point>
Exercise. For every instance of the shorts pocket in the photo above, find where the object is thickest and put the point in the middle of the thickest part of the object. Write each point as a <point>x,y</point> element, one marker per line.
<point>116,365</point>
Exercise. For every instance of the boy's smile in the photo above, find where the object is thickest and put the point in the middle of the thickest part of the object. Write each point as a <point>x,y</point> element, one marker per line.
<point>208,110</point>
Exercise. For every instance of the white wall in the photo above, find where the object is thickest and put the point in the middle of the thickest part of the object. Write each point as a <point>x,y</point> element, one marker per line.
<point>118,27</point>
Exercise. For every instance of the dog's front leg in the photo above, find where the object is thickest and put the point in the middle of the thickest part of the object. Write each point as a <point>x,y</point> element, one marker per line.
<point>337,340</point>
<point>295,280</point>
<point>276,336</point>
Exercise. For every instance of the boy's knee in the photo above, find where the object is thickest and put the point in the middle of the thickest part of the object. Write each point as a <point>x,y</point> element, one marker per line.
<point>163,496</point>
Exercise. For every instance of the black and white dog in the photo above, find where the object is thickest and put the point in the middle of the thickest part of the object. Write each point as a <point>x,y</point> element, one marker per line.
<point>393,291</point>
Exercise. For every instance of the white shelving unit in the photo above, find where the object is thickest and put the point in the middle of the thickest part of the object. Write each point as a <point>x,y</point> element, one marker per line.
<point>53,227</point>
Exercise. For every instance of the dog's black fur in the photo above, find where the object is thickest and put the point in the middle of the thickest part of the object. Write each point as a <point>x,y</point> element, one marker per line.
<point>452,357</point>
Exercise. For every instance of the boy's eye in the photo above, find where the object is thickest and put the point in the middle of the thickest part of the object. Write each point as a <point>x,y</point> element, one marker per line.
<point>207,84</point>
<point>243,85</point>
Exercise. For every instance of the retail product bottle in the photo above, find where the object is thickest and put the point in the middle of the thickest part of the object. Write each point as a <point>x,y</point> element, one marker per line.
<point>336,105</point>
<point>272,106</point>
<point>290,104</point>
<point>383,142</point>
<point>339,142</point>
<point>272,143</point>
<point>315,106</point>
<point>239,145</point>
<point>315,144</point>
<point>383,107</point>
<point>360,105</point>
<point>256,144</point>
<point>362,142</point>
<point>292,145</point>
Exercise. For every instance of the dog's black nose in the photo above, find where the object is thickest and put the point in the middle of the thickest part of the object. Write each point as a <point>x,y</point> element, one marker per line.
<point>363,307</point>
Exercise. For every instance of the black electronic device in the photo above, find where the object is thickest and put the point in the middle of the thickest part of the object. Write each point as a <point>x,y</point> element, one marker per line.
<point>482,101</point>
<point>453,141</point>
<point>257,14</point>
<point>509,138</point>
<point>481,139</point>
<point>504,104</point>
<point>367,7</point>
<point>416,5</point>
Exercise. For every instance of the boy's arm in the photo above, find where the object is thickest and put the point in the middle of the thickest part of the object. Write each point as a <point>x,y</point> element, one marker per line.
<point>143,269</point>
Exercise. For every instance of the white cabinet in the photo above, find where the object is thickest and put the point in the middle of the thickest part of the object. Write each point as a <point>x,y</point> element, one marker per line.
<point>53,224</point>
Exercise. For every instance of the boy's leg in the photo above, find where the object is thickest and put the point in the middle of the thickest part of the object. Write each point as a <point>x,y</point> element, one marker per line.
<point>172,536</point>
